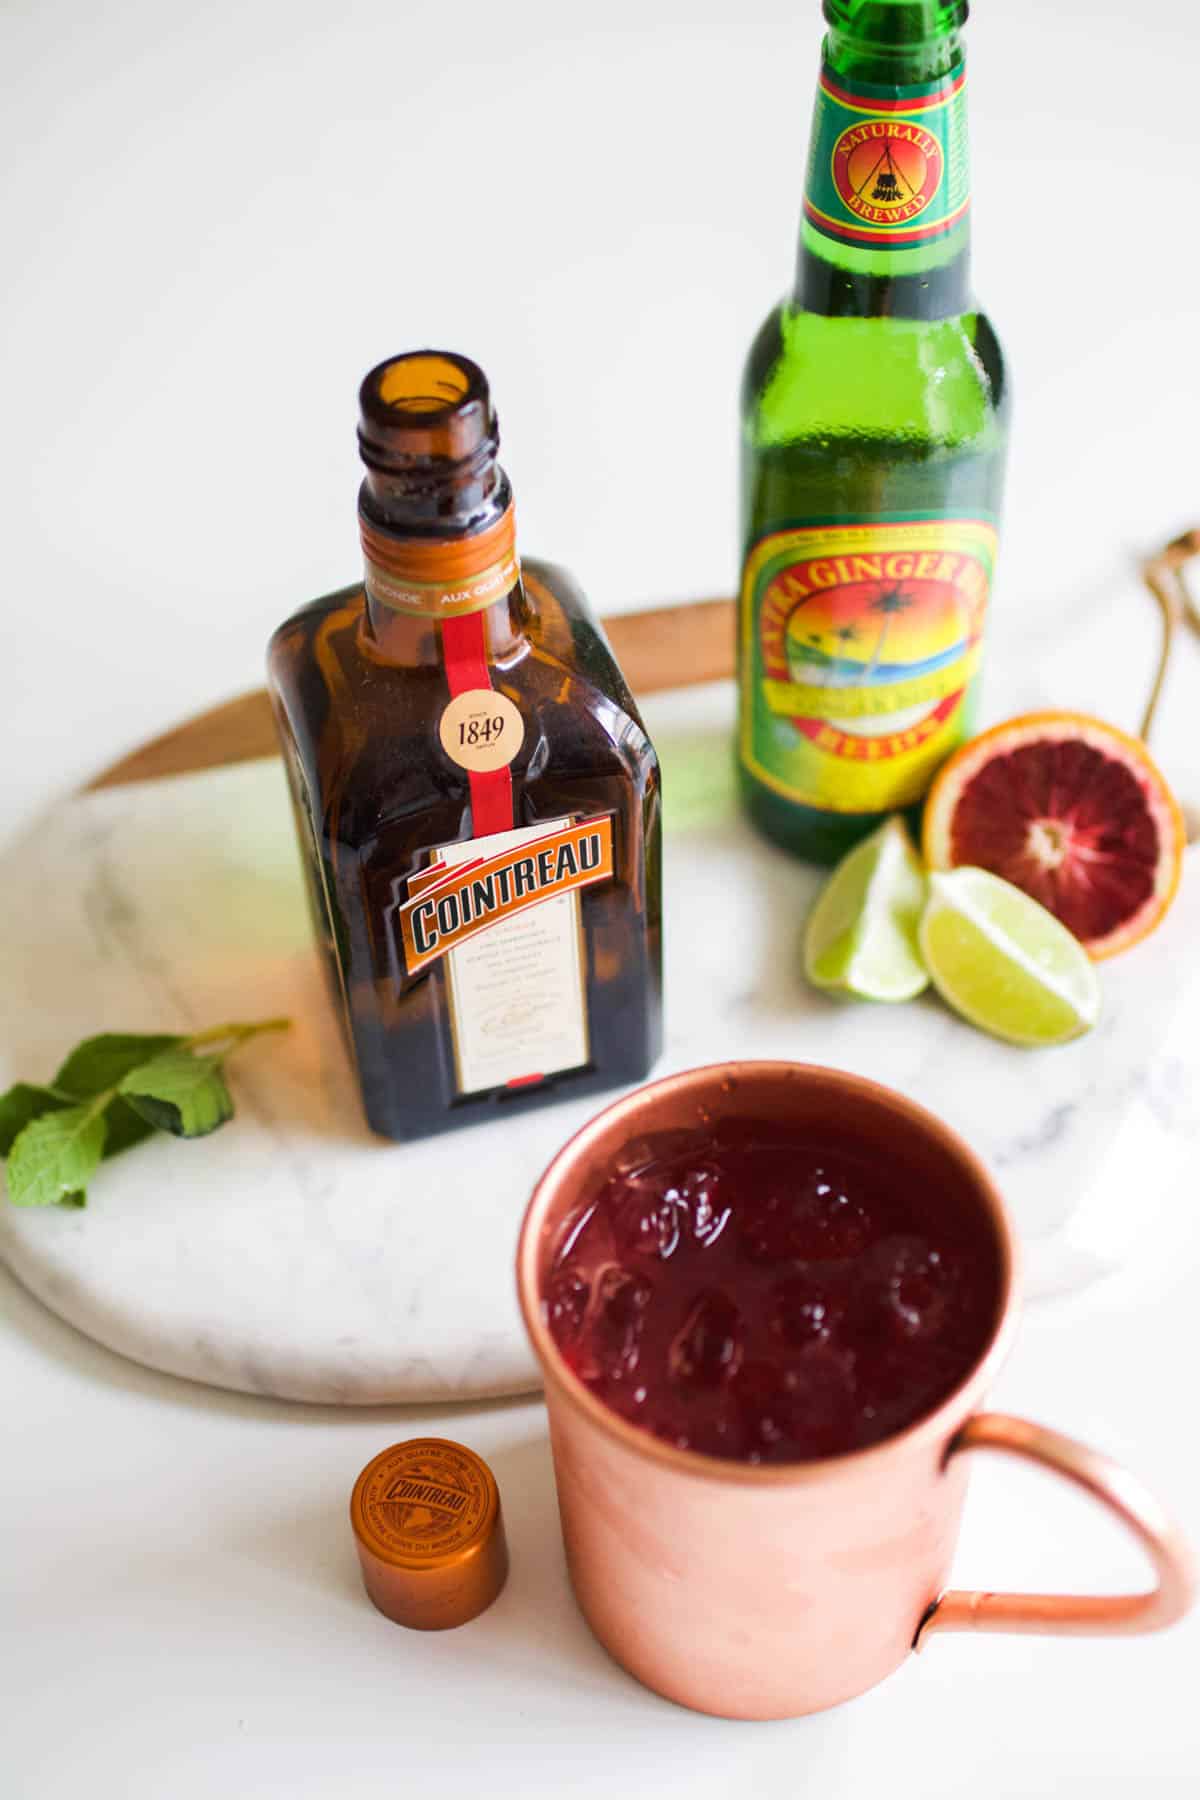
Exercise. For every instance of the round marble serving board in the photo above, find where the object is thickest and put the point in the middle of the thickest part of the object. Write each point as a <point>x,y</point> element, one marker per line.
<point>295,1255</point>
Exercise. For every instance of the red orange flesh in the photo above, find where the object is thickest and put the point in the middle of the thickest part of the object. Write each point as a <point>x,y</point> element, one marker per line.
<point>1073,811</point>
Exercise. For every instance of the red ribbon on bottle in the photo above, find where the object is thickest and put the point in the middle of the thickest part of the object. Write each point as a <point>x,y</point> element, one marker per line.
<point>455,581</point>
<point>464,646</point>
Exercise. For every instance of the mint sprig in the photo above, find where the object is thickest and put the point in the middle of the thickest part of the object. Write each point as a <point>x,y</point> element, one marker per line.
<point>180,1092</point>
<point>112,1092</point>
<point>22,1104</point>
<point>55,1157</point>
<point>103,1062</point>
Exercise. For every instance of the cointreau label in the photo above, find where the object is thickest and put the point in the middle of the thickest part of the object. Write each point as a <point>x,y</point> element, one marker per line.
<point>861,648</point>
<point>888,167</point>
<point>504,913</point>
<point>470,888</point>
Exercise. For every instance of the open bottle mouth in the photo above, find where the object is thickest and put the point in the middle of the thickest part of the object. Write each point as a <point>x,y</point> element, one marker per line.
<point>426,382</point>
<point>429,438</point>
<point>426,407</point>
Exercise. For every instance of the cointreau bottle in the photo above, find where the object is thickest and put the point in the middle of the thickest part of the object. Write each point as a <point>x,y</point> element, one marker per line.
<point>477,799</point>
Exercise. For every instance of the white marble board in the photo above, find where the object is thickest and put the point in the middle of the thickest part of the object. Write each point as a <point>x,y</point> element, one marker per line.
<point>293,1254</point>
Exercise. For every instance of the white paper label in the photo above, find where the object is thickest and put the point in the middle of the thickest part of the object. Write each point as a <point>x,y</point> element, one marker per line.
<point>518,996</point>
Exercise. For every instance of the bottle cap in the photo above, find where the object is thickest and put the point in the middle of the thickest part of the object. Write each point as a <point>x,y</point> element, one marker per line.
<point>429,1532</point>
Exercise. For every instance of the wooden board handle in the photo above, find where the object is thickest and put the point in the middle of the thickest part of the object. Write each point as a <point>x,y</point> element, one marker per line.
<point>667,647</point>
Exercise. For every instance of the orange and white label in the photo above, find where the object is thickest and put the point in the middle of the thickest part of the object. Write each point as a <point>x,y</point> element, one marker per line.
<point>441,578</point>
<point>474,887</point>
<point>504,912</point>
<point>448,598</point>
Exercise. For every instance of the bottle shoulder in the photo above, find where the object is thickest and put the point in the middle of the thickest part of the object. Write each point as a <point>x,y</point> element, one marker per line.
<point>571,631</point>
<point>365,732</point>
<point>563,633</point>
<point>939,381</point>
<point>308,617</point>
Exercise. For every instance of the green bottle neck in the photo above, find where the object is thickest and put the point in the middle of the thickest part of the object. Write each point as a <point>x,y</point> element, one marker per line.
<point>885,228</point>
<point>898,41</point>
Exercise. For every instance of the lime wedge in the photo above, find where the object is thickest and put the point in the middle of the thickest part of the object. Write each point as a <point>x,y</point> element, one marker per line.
<point>1004,962</point>
<point>862,935</point>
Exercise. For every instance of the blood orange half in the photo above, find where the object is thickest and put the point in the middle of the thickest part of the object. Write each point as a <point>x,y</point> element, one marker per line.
<point>1071,810</point>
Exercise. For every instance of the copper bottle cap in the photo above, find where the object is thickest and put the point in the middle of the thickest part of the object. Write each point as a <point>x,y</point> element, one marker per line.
<point>429,1533</point>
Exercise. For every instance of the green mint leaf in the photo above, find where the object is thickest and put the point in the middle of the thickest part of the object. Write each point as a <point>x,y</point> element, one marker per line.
<point>102,1062</point>
<point>23,1103</point>
<point>54,1156</point>
<point>180,1093</point>
<point>125,1127</point>
<point>112,1092</point>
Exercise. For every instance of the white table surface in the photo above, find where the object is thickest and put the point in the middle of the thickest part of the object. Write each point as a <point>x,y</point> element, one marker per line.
<point>215,220</point>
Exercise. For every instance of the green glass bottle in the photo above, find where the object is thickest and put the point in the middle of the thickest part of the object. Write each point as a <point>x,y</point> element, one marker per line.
<point>874,422</point>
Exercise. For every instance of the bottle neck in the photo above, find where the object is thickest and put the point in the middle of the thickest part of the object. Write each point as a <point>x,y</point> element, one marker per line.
<point>408,641</point>
<point>429,595</point>
<point>885,227</point>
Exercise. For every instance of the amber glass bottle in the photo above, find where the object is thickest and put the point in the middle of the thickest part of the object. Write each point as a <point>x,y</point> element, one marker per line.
<point>477,799</point>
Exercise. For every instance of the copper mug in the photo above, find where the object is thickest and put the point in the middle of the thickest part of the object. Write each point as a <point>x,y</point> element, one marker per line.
<point>762,1592</point>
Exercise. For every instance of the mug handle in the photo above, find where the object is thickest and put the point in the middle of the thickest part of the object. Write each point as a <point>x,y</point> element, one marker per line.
<point>1075,1615</point>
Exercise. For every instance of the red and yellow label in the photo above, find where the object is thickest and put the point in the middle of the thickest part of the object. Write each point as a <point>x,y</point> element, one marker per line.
<point>888,165</point>
<point>861,645</point>
<point>887,171</point>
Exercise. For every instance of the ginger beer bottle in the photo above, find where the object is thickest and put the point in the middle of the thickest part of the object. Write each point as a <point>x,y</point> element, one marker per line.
<point>873,438</point>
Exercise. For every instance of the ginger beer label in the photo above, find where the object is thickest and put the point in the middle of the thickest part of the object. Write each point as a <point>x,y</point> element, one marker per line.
<point>888,166</point>
<point>860,648</point>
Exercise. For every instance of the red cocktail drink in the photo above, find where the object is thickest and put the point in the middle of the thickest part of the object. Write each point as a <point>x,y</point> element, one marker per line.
<point>769,1293</point>
<point>769,1301</point>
